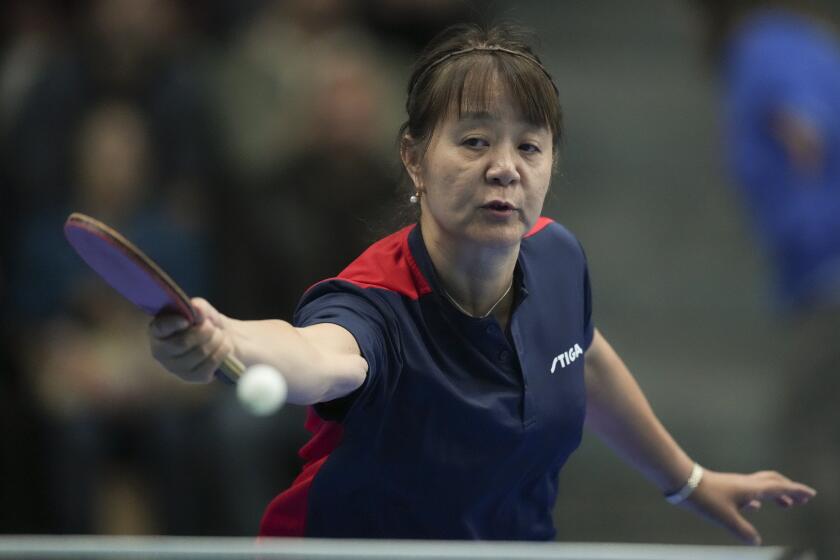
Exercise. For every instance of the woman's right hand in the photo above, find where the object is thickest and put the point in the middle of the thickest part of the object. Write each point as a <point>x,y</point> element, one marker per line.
<point>195,352</point>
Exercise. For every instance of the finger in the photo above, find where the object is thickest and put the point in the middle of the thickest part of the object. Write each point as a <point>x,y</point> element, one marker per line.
<point>752,505</point>
<point>204,310</point>
<point>781,481</point>
<point>799,492</point>
<point>184,352</point>
<point>775,475</point>
<point>216,343</point>
<point>785,501</point>
<point>195,366</point>
<point>192,348</point>
<point>181,344</point>
<point>210,342</point>
<point>199,306</point>
<point>744,530</point>
<point>804,496</point>
<point>173,346</point>
<point>164,326</point>
<point>224,350</point>
<point>202,371</point>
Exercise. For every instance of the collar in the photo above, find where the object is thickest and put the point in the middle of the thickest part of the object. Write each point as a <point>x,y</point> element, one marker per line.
<point>417,246</point>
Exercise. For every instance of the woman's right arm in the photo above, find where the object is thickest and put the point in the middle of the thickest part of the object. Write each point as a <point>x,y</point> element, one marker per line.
<point>320,363</point>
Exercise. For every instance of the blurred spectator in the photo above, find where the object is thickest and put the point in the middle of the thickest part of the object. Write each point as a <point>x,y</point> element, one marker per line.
<point>304,222</point>
<point>265,81</point>
<point>30,37</point>
<point>780,64</point>
<point>413,23</point>
<point>108,405</point>
<point>137,50</point>
<point>335,196</point>
<point>143,165</point>
<point>30,32</point>
<point>269,83</point>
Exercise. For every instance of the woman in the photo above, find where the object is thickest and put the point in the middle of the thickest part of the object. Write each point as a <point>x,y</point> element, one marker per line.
<point>452,365</point>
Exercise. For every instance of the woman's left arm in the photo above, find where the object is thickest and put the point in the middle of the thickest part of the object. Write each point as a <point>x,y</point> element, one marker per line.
<point>619,413</point>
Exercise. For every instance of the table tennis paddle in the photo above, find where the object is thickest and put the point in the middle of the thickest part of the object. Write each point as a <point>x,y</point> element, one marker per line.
<point>135,276</point>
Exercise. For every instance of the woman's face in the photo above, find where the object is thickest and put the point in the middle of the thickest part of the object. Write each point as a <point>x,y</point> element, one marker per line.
<point>484,177</point>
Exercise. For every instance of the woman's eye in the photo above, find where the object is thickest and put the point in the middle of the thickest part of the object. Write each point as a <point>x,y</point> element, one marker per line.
<point>529,148</point>
<point>475,143</point>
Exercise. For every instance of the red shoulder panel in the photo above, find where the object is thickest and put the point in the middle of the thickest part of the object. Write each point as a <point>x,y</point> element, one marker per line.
<point>388,264</point>
<point>541,223</point>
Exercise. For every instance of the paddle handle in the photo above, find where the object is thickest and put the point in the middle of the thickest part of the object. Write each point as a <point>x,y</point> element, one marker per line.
<point>231,370</point>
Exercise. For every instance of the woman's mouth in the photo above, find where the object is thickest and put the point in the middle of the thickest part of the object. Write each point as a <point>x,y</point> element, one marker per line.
<point>499,208</point>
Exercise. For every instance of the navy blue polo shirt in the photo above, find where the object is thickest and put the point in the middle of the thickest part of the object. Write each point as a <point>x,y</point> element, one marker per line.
<point>459,431</point>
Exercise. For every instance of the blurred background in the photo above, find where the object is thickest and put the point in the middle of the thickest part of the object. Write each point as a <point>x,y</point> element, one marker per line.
<point>249,147</point>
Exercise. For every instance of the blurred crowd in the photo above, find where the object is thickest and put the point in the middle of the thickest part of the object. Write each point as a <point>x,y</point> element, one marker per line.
<point>247,146</point>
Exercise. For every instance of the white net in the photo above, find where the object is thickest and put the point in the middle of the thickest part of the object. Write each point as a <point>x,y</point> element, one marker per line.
<point>171,548</point>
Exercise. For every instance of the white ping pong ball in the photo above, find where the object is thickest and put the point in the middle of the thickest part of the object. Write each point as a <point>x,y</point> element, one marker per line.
<point>262,390</point>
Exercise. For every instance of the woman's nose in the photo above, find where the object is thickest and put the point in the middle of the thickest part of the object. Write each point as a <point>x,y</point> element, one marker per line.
<point>502,171</point>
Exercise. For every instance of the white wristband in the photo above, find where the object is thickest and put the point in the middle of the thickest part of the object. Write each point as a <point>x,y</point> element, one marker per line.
<point>691,484</point>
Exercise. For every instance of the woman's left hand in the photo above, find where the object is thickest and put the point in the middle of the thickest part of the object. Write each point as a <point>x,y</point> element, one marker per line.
<point>724,497</point>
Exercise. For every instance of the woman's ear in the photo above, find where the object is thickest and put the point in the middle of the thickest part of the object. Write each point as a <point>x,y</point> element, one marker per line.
<point>411,156</point>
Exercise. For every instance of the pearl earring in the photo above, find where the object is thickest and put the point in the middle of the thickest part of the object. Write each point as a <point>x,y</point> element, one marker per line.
<point>415,198</point>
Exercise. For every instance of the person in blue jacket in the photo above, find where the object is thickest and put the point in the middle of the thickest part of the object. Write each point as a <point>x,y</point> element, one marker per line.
<point>780,83</point>
<point>453,365</point>
<point>781,99</point>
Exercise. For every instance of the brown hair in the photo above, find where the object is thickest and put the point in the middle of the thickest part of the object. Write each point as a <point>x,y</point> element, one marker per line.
<point>460,67</point>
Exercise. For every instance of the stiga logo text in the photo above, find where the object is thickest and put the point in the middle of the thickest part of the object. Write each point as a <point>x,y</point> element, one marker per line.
<point>567,357</point>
